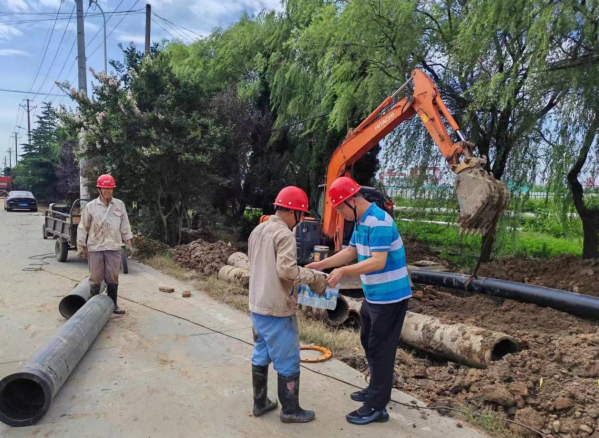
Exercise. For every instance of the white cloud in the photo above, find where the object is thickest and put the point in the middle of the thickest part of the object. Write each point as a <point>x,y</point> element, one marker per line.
<point>50,3</point>
<point>7,32</point>
<point>16,5</point>
<point>128,37</point>
<point>13,52</point>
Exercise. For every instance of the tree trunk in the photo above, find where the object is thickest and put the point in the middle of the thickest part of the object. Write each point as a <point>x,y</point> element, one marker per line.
<point>588,216</point>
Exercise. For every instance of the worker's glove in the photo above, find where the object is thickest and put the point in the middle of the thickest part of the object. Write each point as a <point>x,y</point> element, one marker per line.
<point>81,251</point>
<point>319,284</point>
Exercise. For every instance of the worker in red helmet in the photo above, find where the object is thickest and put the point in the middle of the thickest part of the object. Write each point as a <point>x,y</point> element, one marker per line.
<point>103,228</point>
<point>273,274</point>
<point>377,245</point>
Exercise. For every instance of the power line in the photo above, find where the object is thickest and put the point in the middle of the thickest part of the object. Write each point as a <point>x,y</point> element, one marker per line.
<point>56,54</point>
<point>157,23</point>
<point>6,90</point>
<point>113,29</point>
<point>12,23</point>
<point>100,29</point>
<point>189,30</point>
<point>185,36</point>
<point>46,50</point>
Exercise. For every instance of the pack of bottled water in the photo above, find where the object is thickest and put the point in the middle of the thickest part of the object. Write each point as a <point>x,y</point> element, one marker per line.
<point>328,301</point>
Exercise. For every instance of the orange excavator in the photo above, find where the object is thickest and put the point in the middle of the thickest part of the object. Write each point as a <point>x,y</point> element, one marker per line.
<point>481,198</point>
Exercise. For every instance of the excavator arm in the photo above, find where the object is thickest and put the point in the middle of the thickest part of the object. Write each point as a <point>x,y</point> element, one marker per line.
<point>481,198</point>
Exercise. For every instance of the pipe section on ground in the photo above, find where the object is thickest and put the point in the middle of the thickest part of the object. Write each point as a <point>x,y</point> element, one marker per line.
<point>235,275</point>
<point>576,304</point>
<point>74,301</point>
<point>26,396</point>
<point>472,346</point>
<point>239,260</point>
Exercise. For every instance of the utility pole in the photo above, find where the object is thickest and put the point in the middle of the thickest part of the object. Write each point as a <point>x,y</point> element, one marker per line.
<point>148,22</point>
<point>82,73</point>
<point>9,158</point>
<point>28,109</point>
<point>16,148</point>
<point>82,69</point>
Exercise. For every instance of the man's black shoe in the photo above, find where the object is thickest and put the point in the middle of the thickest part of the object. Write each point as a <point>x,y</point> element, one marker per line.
<point>367,415</point>
<point>359,396</point>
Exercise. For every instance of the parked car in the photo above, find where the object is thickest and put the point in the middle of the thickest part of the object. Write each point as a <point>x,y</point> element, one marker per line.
<point>20,200</point>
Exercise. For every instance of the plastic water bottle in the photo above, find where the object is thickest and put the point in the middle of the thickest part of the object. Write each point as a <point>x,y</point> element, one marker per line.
<point>306,297</point>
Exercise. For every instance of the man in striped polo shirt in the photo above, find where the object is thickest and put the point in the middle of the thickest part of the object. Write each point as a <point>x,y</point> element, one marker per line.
<point>382,266</point>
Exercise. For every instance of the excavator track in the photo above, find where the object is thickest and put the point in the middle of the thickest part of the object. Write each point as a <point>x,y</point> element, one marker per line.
<point>481,198</point>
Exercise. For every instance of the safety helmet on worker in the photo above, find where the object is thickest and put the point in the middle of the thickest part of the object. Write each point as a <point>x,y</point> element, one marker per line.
<point>106,182</point>
<point>342,189</point>
<point>292,198</point>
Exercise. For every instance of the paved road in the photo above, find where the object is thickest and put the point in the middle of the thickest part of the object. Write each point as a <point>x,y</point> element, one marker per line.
<point>162,370</point>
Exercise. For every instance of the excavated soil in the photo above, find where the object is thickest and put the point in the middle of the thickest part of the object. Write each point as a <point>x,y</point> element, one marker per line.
<point>551,384</point>
<point>203,256</point>
<point>565,272</point>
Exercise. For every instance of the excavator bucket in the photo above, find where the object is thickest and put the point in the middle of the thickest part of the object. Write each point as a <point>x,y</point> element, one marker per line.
<point>481,198</point>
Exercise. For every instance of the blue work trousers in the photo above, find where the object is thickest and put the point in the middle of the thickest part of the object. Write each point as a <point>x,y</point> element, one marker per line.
<point>277,341</point>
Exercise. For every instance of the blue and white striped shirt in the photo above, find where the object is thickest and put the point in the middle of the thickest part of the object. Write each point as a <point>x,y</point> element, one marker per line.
<point>377,232</point>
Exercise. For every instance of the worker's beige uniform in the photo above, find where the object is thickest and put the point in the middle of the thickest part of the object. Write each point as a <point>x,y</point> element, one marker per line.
<point>274,270</point>
<point>103,229</point>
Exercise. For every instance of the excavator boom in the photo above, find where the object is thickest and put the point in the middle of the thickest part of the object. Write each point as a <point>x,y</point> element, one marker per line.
<point>481,198</point>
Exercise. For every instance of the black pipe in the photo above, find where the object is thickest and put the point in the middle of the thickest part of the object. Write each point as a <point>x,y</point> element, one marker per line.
<point>576,304</point>
<point>74,301</point>
<point>26,396</point>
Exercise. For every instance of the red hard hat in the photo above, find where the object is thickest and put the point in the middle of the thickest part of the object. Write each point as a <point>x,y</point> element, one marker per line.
<point>342,189</point>
<point>106,182</point>
<point>293,198</point>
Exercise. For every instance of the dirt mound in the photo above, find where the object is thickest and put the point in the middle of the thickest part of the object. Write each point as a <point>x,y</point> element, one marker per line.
<point>565,272</point>
<point>417,251</point>
<point>551,384</point>
<point>203,256</point>
<point>146,248</point>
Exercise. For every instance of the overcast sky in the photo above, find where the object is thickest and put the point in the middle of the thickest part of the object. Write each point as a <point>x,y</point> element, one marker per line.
<point>24,38</point>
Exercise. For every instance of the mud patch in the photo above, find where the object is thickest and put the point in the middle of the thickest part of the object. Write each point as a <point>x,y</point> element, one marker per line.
<point>559,360</point>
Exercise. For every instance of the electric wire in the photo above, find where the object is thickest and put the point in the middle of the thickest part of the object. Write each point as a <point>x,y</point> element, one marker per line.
<point>56,54</point>
<point>113,29</point>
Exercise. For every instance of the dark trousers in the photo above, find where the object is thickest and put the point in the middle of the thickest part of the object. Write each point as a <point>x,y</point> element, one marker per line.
<point>381,327</point>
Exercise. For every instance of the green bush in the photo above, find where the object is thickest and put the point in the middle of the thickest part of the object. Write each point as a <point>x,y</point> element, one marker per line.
<point>251,218</point>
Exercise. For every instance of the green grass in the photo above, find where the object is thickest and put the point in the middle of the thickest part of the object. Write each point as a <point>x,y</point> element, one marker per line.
<point>464,250</point>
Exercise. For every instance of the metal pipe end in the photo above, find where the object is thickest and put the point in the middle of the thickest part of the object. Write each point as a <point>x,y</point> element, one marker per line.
<point>70,304</point>
<point>24,399</point>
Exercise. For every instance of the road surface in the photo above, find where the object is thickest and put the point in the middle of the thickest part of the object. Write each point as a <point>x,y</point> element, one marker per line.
<point>172,367</point>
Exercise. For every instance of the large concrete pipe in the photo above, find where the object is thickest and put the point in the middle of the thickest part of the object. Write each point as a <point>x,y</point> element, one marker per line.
<point>26,396</point>
<point>576,304</point>
<point>473,346</point>
<point>239,260</point>
<point>74,301</point>
<point>235,275</point>
<point>347,311</point>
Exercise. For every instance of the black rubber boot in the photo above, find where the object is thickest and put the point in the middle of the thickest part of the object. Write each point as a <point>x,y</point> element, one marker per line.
<point>262,404</point>
<point>112,292</point>
<point>94,289</point>
<point>291,411</point>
